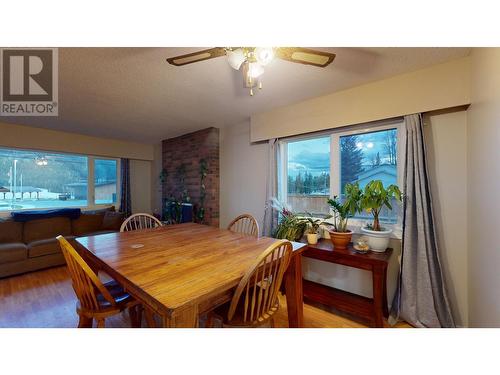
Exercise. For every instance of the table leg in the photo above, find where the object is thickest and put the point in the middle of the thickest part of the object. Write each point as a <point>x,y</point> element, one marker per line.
<point>187,317</point>
<point>384,294</point>
<point>378,286</point>
<point>294,293</point>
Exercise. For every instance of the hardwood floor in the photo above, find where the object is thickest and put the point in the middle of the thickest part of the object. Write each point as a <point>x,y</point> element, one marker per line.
<point>45,299</point>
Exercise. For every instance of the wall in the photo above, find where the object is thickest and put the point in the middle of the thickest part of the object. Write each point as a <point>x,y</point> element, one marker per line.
<point>483,140</point>
<point>140,187</point>
<point>243,169</point>
<point>440,86</point>
<point>446,143</point>
<point>186,152</point>
<point>51,140</point>
<point>243,181</point>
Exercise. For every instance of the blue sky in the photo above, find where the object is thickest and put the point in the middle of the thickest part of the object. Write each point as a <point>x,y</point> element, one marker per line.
<point>313,155</point>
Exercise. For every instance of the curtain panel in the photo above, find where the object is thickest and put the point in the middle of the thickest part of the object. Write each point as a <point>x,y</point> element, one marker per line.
<point>270,214</point>
<point>125,202</point>
<point>420,298</point>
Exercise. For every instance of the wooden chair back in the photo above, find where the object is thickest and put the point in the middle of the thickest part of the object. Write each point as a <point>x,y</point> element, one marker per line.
<point>245,224</point>
<point>140,221</point>
<point>256,296</point>
<point>85,282</point>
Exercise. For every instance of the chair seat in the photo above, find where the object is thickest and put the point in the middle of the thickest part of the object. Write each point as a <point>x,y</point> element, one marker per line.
<point>117,292</point>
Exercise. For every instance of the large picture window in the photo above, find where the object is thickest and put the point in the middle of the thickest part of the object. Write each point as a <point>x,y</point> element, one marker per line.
<point>314,168</point>
<point>38,180</point>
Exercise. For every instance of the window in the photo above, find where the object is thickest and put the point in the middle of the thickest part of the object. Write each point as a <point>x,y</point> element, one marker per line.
<point>315,168</point>
<point>37,180</point>
<point>308,174</point>
<point>105,173</point>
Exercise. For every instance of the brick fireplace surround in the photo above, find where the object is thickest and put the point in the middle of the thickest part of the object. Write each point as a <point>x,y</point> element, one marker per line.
<point>186,152</point>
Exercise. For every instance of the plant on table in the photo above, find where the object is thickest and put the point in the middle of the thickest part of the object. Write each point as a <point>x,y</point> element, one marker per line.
<point>342,211</point>
<point>291,226</point>
<point>374,198</point>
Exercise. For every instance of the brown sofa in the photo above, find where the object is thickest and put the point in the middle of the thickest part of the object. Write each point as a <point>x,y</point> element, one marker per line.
<point>32,245</point>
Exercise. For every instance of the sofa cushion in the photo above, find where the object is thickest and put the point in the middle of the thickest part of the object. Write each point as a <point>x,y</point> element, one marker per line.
<point>113,220</point>
<point>11,231</point>
<point>45,247</point>
<point>42,229</point>
<point>100,211</point>
<point>13,252</point>
<point>87,223</point>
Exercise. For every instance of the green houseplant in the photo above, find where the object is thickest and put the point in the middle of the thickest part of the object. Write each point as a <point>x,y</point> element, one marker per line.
<point>342,211</point>
<point>313,229</point>
<point>291,226</point>
<point>374,198</point>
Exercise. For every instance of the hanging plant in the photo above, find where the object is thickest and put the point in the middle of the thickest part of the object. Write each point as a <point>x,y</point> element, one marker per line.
<point>200,215</point>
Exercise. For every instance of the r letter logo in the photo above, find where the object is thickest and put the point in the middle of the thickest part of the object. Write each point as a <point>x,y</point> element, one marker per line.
<point>29,82</point>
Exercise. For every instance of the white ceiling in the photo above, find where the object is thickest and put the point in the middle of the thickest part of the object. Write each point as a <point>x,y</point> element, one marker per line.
<point>134,94</point>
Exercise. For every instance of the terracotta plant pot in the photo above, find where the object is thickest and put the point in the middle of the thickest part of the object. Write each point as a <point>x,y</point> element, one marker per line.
<point>340,240</point>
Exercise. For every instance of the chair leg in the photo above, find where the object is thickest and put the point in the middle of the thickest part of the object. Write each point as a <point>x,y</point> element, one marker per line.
<point>271,323</point>
<point>209,323</point>
<point>84,322</point>
<point>135,314</point>
<point>150,319</point>
<point>100,323</point>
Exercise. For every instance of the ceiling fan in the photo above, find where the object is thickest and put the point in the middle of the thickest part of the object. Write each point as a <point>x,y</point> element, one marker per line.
<point>253,59</point>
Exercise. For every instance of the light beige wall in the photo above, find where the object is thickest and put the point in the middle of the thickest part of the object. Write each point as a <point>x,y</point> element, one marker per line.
<point>439,86</point>
<point>483,138</point>
<point>156,168</point>
<point>242,174</point>
<point>446,142</point>
<point>140,186</point>
<point>50,140</point>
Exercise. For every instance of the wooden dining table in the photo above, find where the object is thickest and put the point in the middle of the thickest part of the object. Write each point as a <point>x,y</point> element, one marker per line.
<point>182,271</point>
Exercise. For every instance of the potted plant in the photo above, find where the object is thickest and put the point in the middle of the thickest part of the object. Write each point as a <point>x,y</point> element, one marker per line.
<point>339,234</point>
<point>313,230</point>
<point>374,198</point>
<point>290,225</point>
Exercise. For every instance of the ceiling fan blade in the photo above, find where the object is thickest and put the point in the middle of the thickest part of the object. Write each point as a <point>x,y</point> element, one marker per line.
<point>305,56</point>
<point>197,56</point>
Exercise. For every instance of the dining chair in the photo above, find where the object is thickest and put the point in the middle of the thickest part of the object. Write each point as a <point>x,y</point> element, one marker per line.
<point>140,221</point>
<point>255,300</point>
<point>96,300</point>
<point>245,224</point>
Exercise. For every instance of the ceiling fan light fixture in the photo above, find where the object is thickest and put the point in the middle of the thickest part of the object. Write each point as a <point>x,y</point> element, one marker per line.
<point>264,55</point>
<point>235,58</point>
<point>255,70</point>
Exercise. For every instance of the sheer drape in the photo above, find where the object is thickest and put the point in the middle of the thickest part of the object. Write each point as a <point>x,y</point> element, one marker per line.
<point>270,214</point>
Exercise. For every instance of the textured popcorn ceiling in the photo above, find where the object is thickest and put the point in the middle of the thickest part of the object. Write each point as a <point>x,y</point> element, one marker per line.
<point>134,94</point>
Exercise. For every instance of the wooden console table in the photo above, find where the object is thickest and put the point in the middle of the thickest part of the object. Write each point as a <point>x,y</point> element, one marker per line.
<point>373,309</point>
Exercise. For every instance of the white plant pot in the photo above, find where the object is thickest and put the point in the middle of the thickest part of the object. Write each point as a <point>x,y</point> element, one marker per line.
<point>377,240</point>
<point>312,238</point>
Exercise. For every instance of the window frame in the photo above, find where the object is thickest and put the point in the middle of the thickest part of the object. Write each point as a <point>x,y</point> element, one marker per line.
<point>355,224</point>
<point>91,205</point>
